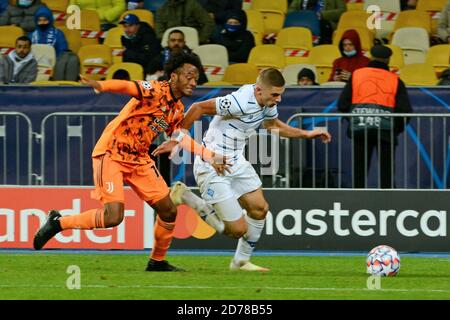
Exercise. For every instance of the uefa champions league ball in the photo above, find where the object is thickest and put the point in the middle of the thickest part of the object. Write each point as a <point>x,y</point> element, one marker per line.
<point>383,261</point>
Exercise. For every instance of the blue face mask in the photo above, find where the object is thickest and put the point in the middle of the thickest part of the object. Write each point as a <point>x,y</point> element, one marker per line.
<point>24,3</point>
<point>350,53</point>
<point>129,37</point>
<point>232,27</point>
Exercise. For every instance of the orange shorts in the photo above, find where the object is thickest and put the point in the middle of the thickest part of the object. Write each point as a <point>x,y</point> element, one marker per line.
<point>109,176</point>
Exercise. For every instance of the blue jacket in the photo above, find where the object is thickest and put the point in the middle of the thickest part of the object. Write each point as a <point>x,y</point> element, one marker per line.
<point>50,35</point>
<point>3,5</point>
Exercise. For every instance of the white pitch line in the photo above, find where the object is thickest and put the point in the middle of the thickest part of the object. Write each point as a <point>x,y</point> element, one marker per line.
<point>220,288</point>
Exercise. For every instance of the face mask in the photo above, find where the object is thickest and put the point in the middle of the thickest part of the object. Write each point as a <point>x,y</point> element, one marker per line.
<point>129,37</point>
<point>24,3</point>
<point>232,27</point>
<point>350,53</point>
<point>43,27</point>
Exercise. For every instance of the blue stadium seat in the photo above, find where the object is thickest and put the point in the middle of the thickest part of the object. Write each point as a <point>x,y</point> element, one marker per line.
<point>304,18</point>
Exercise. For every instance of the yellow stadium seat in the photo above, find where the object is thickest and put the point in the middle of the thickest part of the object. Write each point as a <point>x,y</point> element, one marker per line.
<point>365,36</point>
<point>240,73</point>
<point>214,58</point>
<point>323,57</point>
<point>414,43</point>
<point>255,24</point>
<point>216,84</point>
<point>73,38</point>
<point>58,8</point>
<point>433,8</point>
<point>273,14</point>
<point>396,62</point>
<point>190,36</point>
<point>439,57</point>
<point>90,27</point>
<point>296,42</point>
<point>95,61</point>
<point>290,72</point>
<point>384,5</point>
<point>135,70</point>
<point>413,18</point>
<point>354,19</point>
<point>418,74</point>
<point>8,37</point>
<point>267,5</point>
<point>46,58</point>
<point>144,15</point>
<point>113,40</point>
<point>246,4</point>
<point>355,6</point>
<point>266,56</point>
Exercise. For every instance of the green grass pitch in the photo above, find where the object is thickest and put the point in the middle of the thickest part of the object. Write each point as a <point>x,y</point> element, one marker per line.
<point>121,276</point>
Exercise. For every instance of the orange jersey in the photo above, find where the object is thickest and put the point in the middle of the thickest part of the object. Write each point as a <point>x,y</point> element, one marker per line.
<point>127,138</point>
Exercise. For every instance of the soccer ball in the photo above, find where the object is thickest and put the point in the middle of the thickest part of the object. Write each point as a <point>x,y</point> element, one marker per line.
<point>383,261</point>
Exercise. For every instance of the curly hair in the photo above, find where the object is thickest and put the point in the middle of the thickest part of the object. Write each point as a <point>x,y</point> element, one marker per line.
<point>177,60</point>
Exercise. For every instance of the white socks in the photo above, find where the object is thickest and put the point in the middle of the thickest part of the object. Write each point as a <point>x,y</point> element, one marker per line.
<point>248,242</point>
<point>206,211</point>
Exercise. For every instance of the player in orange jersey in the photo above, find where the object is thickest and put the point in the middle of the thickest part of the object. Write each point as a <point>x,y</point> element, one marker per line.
<point>122,154</point>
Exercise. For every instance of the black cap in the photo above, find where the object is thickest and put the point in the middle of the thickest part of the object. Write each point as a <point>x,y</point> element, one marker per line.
<point>381,52</point>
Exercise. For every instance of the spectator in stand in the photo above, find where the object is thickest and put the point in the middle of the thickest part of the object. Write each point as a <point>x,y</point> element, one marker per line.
<point>236,38</point>
<point>220,9</point>
<point>306,77</point>
<point>108,10</point>
<point>135,4</point>
<point>408,4</point>
<point>121,74</point>
<point>444,24</point>
<point>3,5</point>
<point>175,44</point>
<point>139,41</point>
<point>19,66</point>
<point>188,13</point>
<point>352,57</point>
<point>328,12</point>
<point>21,14</point>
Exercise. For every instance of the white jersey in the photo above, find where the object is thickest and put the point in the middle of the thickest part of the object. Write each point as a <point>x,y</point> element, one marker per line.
<point>238,116</point>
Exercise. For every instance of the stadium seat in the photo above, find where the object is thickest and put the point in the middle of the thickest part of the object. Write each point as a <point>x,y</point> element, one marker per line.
<point>418,74</point>
<point>366,37</point>
<point>433,8</point>
<point>46,58</point>
<point>354,19</point>
<point>268,5</point>
<point>153,5</point>
<point>90,27</point>
<point>355,6</point>
<point>273,13</point>
<point>291,71</point>
<point>216,84</point>
<point>143,15</point>
<point>396,62</point>
<point>58,8</point>
<point>413,18</point>
<point>389,13</point>
<point>240,73</point>
<point>414,43</point>
<point>113,41</point>
<point>73,38</point>
<point>296,43</point>
<point>214,58</point>
<point>95,61</point>
<point>439,56</point>
<point>135,70</point>
<point>9,35</point>
<point>385,5</point>
<point>266,56</point>
<point>323,57</point>
<point>306,19</point>
<point>255,24</point>
<point>190,36</point>
<point>246,4</point>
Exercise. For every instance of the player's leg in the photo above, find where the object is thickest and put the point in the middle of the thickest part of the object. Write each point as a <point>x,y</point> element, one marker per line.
<point>108,188</point>
<point>148,183</point>
<point>180,194</point>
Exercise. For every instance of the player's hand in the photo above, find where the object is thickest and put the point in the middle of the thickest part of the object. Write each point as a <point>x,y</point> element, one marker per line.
<point>319,133</point>
<point>94,84</point>
<point>220,164</point>
<point>167,146</point>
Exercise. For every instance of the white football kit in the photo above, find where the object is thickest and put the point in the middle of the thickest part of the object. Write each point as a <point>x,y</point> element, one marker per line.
<point>238,116</point>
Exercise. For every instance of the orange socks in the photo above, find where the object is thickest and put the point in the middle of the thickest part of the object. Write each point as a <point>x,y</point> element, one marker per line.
<point>163,233</point>
<point>91,219</point>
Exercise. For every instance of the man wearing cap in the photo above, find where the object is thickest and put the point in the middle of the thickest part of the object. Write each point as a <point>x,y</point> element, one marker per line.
<point>139,41</point>
<point>375,90</point>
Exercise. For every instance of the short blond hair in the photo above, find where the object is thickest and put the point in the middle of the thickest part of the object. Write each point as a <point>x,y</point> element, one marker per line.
<point>270,77</point>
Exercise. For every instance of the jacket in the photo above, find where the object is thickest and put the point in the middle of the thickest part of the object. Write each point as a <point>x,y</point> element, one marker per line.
<point>108,10</point>
<point>443,30</point>
<point>220,8</point>
<point>51,35</point>
<point>187,13</point>
<point>22,17</point>
<point>26,74</point>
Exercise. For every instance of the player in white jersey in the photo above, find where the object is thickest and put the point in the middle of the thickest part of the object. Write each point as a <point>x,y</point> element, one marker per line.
<point>229,189</point>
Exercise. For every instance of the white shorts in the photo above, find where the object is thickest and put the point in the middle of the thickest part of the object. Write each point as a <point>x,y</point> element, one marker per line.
<point>214,188</point>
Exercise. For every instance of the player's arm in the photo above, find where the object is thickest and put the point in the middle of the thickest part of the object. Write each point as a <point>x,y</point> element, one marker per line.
<point>284,130</point>
<point>197,110</point>
<point>116,86</point>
